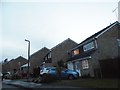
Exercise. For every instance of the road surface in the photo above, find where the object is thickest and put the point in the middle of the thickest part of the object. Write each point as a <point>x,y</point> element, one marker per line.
<point>10,87</point>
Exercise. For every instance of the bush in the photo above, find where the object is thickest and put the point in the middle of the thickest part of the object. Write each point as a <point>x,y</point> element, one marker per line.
<point>15,76</point>
<point>46,78</point>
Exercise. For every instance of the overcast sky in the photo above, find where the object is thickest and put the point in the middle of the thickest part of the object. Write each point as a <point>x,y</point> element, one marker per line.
<point>47,23</point>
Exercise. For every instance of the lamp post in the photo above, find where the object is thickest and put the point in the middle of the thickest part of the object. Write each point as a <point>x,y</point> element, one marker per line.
<point>28,56</point>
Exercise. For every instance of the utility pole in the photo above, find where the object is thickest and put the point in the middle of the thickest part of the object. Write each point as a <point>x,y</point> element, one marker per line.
<point>119,11</point>
<point>28,57</point>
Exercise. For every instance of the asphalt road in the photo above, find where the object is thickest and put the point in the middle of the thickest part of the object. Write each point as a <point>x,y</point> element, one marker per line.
<point>10,87</point>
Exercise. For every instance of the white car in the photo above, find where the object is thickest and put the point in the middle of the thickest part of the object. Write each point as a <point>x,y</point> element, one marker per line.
<point>45,70</point>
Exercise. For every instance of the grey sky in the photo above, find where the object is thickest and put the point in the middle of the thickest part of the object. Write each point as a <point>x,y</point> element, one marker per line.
<point>46,24</point>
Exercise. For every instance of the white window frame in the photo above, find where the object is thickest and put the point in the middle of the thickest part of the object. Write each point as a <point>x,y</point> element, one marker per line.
<point>46,58</point>
<point>89,46</point>
<point>85,64</point>
<point>49,55</point>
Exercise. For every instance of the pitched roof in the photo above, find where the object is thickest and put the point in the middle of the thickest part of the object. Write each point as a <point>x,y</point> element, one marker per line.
<point>39,51</point>
<point>96,35</point>
<point>20,57</point>
<point>67,40</point>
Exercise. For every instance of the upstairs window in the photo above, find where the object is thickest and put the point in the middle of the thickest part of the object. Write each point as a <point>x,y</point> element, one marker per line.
<point>88,46</point>
<point>76,52</point>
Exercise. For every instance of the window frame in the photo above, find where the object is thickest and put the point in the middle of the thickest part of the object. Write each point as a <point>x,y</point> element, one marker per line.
<point>76,50</point>
<point>49,55</point>
<point>85,64</point>
<point>88,46</point>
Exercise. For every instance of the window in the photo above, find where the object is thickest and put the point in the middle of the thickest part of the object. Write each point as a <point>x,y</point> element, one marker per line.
<point>85,64</point>
<point>45,58</point>
<point>118,42</point>
<point>49,55</point>
<point>75,52</point>
<point>88,46</point>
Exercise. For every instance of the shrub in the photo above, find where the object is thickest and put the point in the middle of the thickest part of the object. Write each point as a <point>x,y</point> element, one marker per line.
<point>46,78</point>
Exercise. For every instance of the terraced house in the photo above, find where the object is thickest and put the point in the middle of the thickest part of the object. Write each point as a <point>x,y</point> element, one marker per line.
<point>98,55</point>
<point>58,53</point>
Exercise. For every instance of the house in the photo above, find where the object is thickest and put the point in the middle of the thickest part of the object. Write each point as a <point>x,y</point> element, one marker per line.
<point>58,53</point>
<point>37,58</point>
<point>98,55</point>
<point>5,67</point>
<point>13,64</point>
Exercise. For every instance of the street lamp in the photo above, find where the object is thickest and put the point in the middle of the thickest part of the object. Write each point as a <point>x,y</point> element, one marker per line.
<point>28,55</point>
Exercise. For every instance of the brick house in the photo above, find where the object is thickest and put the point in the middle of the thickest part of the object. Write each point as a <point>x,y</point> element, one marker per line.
<point>59,52</point>
<point>98,55</point>
<point>5,67</point>
<point>13,64</point>
<point>37,58</point>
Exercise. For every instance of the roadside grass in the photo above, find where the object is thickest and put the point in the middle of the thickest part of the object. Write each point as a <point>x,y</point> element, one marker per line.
<point>89,83</point>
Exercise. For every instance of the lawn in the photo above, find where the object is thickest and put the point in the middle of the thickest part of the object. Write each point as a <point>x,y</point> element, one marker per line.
<point>89,83</point>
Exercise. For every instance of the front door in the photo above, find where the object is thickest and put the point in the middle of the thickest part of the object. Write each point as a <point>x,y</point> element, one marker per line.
<point>77,67</point>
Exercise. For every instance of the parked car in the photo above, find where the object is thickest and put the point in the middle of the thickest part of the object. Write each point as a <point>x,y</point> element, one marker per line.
<point>67,73</point>
<point>70,74</point>
<point>7,75</point>
<point>45,70</point>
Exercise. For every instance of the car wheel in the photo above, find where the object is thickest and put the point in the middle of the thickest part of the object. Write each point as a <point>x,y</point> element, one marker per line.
<point>71,77</point>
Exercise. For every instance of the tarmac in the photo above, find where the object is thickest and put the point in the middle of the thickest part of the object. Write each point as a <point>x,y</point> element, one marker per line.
<point>31,85</point>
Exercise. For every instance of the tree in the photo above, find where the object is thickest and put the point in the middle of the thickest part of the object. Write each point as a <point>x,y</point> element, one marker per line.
<point>5,60</point>
<point>59,67</point>
<point>60,63</point>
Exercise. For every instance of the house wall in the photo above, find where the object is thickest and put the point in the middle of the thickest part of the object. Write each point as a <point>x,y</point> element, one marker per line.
<point>13,64</point>
<point>37,58</point>
<point>16,63</point>
<point>89,71</point>
<point>107,49</point>
<point>5,67</point>
<point>60,52</point>
<point>107,45</point>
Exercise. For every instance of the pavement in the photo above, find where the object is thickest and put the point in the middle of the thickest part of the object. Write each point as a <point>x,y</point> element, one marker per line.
<point>32,85</point>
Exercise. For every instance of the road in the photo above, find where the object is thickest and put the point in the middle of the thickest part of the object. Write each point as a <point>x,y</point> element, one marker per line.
<point>8,87</point>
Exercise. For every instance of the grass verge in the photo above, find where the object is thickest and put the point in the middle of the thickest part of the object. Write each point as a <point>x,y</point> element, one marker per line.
<point>89,83</point>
